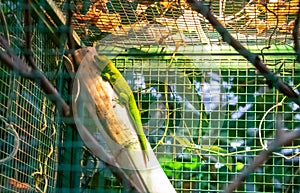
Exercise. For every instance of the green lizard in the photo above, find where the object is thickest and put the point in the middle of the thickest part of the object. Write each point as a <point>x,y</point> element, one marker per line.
<point>111,74</point>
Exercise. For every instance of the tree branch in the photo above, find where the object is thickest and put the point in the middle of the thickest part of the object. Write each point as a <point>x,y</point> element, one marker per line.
<point>282,138</point>
<point>12,61</point>
<point>272,79</point>
<point>27,28</point>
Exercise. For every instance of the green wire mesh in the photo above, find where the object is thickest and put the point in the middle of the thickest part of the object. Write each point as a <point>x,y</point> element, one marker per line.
<point>28,129</point>
<point>28,126</point>
<point>245,123</point>
<point>31,118</point>
<point>176,101</point>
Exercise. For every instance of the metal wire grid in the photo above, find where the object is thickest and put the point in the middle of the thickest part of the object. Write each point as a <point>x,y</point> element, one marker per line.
<point>4,89</point>
<point>187,178</point>
<point>29,131</point>
<point>241,128</point>
<point>248,100</point>
<point>13,29</point>
<point>165,23</point>
<point>32,117</point>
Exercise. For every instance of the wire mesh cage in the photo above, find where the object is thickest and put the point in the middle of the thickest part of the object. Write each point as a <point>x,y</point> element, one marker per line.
<point>206,111</point>
<point>29,127</point>
<point>201,143</point>
<point>29,151</point>
<point>199,150</point>
<point>168,22</point>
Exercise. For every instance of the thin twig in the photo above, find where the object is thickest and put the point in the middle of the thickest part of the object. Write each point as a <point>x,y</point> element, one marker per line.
<point>272,79</point>
<point>27,29</point>
<point>166,82</point>
<point>263,119</point>
<point>273,32</point>
<point>10,52</point>
<point>291,180</point>
<point>201,109</point>
<point>68,33</point>
<point>10,129</point>
<point>4,23</point>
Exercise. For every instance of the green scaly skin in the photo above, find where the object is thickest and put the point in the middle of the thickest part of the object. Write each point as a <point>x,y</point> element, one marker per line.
<point>111,74</point>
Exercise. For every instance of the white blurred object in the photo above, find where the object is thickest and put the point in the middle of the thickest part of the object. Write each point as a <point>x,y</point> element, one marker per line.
<point>107,130</point>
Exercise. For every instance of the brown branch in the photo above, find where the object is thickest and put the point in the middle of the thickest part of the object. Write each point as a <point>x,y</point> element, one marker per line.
<point>282,138</point>
<point>296,34</point>
<point>11,60</point>
<point>29,69</point>
<point>11,55</point>
<point>27,28</point>
<point>68,33</point>
<point>272,79</point>
<point>27,52</point>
